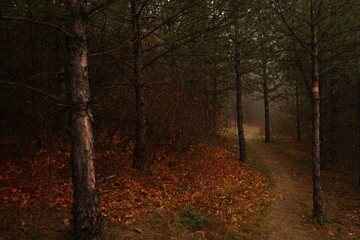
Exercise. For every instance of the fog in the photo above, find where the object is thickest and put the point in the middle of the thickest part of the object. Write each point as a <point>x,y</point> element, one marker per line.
<point>253,110</point>
<point>281,122</point>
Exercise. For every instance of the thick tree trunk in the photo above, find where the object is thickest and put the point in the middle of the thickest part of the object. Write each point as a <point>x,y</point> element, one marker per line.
<point>86,210</point>
<point>298,120</point>
<point>239,110</point>
<point>358,119</point>
<point>266,100</point>
<point>140,161</point>
<point>317,194</point>
<point>358,109</point>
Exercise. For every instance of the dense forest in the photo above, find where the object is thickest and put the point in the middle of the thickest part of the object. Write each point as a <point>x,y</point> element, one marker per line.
<point>109,107</point>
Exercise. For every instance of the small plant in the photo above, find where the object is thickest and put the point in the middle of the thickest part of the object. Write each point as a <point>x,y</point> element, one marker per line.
<point>116,234</point>
<point>193,217</point>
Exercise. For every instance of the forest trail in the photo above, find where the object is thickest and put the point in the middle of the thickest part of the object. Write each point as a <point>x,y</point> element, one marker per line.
<point>286,216</point>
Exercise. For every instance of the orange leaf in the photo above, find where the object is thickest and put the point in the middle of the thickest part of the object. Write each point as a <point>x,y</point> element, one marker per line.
<point>14,190</point>
<point>15,199</point>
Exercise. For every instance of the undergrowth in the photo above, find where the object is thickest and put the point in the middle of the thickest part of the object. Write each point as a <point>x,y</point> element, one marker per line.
<point>208,177</point>
<point>193,218</point>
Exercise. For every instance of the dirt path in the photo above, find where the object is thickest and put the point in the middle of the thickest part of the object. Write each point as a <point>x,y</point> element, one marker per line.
<point>286,217</point>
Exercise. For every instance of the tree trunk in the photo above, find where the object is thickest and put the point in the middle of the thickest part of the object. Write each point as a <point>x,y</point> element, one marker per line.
<point>239,110</point>
<point>358,106</point>
<point>333,122</point>
<point>215,97</point>
<point>174,65</point>
<point>358,119</point>
<point>323,130</point>
<point>317,194</point>
<point>86,211</point>
<point>298,121</point>
<point>140,161</point>
<point>266,100</point>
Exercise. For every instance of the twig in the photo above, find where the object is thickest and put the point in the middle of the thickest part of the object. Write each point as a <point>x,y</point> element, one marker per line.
<point>38,23</point>
<point>106,179</point>
<point>33,89</point>
<point>103,192</point>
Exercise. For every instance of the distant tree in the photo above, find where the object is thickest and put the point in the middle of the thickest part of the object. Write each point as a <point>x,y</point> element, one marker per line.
<point>242,27</point>
<point>160,31</point>
<point>239,87</point>
<point>269,53</point>
<point>137,7</point>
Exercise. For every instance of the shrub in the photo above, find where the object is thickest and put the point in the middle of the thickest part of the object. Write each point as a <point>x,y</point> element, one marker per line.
<point>193,218</point>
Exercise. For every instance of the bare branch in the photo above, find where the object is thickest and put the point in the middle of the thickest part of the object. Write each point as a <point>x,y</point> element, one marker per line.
<point>60,29</point>
<point>106,179</point>
<point>91,13</point>
<point>292,32</point>
<point>33,89</point>
<point>103,192</point>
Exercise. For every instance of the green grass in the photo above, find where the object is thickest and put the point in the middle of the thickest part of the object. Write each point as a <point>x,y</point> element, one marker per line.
<point>193,218</point>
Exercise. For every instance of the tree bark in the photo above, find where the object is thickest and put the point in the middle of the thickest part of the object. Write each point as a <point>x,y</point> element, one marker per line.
<point>317,194</point>
<point>333,122</point>
<point>358,106</point>
<point>140,161</point>
<point>175,74</point>
<point>266,100</point>
<point>214,97</point>
<point>86,210</point>
<point>358,123</point>
<point>238,81</point>
<point>323,129</point>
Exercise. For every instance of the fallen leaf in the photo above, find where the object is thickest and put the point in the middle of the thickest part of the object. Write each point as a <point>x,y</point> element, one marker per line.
<point>15,199</point>
<point>138,230</point>
<point>66,222</point>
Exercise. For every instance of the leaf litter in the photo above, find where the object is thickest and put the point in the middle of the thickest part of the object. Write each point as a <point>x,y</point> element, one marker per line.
<point>207,178</point>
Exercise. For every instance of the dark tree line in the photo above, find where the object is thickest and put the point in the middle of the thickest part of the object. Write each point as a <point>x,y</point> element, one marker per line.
<point>162,74</point>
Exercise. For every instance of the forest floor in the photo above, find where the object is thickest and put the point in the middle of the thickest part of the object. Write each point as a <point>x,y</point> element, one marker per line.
<point>202,193</point>
<point>283,218</point>
<point>289,216</point>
